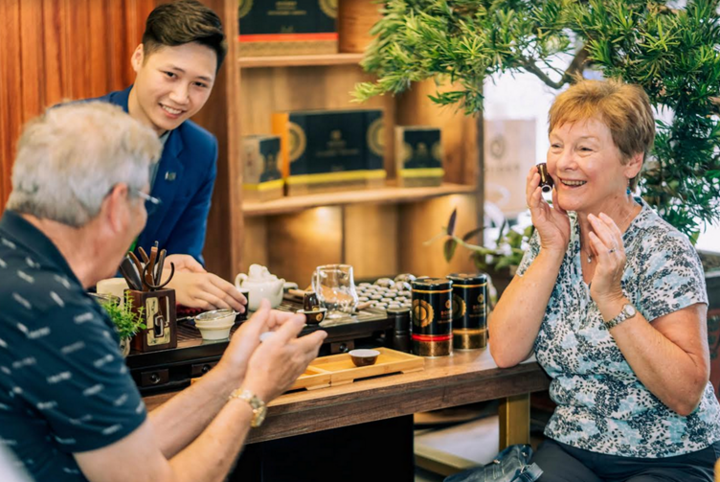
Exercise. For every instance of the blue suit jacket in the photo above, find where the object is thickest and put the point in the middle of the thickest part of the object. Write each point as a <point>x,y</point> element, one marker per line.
<point>184,184</point>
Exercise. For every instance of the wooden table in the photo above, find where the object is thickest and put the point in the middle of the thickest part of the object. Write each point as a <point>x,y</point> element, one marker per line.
<point>464,378</point>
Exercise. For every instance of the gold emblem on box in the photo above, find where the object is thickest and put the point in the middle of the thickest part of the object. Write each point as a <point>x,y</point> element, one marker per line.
<point>244,7</point>
<point>297,141</point>
<point>376,137</point>
<point>329,7</point>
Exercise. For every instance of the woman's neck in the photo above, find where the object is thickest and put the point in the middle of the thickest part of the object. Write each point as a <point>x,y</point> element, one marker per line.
<point>622,211</point>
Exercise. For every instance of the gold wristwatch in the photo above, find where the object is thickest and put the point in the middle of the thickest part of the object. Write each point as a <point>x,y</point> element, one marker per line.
<point>258,406</point>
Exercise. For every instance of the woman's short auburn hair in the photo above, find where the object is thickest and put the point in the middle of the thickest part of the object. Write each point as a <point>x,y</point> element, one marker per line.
<point>624,108</point>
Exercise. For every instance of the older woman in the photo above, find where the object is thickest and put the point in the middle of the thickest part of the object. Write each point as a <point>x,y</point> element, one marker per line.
<point>612,301</point>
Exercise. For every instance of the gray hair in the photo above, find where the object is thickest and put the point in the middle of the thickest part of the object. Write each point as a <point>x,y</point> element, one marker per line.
<point>69,159</point>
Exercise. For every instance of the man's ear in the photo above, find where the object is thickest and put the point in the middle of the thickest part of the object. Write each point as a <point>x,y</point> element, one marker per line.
<point>114,208</point>
<point>138,57</point>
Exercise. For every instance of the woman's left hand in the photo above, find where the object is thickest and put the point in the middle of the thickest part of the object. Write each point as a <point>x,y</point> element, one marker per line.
<point>606,243</point>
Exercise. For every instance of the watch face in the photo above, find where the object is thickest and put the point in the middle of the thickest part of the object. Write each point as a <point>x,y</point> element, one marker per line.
<point>629,310</point>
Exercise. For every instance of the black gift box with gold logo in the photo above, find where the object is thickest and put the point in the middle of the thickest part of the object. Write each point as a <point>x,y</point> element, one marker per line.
<point>330,150</point>
<point>375,141</point>
<point>418,154</point>
<point>262,179</point>
<point>278,27</point>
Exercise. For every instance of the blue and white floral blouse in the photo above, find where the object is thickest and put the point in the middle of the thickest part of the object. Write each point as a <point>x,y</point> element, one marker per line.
<point>602,406</point>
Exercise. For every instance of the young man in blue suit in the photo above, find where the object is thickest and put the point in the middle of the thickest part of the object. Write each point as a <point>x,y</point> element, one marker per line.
<point>176,65</point>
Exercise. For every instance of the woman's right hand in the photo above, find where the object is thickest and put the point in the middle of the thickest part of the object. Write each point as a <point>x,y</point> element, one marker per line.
<point>552,223</point>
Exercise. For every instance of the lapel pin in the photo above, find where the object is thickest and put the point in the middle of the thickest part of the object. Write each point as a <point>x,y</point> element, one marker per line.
<point>170,176</point>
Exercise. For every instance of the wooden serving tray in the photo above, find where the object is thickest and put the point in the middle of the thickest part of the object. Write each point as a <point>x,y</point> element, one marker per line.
<point>339,369</point>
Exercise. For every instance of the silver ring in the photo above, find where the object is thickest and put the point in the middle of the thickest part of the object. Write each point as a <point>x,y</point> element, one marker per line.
<point>612,250</point>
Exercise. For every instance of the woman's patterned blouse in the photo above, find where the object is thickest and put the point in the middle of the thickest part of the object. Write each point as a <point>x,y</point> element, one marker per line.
<point>602,406</point>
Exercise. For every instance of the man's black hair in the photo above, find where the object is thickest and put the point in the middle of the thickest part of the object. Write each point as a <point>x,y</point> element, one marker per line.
<point>182,22</point>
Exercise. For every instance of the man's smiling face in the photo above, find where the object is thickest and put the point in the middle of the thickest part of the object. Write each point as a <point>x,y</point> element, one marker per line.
<point>172,84</point>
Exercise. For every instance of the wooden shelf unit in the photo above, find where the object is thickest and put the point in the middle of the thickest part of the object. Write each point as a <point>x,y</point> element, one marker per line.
<point>387,195</point>
<point>380,232</point>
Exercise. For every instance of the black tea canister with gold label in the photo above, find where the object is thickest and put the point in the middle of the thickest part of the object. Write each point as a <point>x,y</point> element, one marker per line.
<point>432,317</point>
<point>469,293</point>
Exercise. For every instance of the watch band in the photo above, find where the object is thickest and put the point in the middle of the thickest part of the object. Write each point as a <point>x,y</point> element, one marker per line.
<point>627,311</point>
<point>259,408</point>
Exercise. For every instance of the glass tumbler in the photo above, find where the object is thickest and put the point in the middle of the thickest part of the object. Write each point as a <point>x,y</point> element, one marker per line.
<point>335,288</point>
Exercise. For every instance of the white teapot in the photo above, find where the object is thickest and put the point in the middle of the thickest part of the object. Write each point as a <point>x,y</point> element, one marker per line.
<point>259,284</point>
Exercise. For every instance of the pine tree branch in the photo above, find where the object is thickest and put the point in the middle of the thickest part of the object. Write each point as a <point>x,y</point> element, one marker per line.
<point>715,105</point>
<point>530,66</point>
<point>576,66</point>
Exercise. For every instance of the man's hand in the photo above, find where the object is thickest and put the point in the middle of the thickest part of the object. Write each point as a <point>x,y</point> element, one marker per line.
<point>184,263</point>
<point>205,291</point>
<point>282,358</point>
<point>247,338</point>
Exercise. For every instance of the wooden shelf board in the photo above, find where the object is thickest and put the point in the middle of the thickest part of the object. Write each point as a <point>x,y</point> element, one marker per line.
<point>300,60</point>
<point>383,195</point>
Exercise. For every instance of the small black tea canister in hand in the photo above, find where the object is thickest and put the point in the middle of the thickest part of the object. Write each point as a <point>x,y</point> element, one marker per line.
<point>432,317</point>
<point>469,311</point>
<point>546,182</point>
<point>400,331</point>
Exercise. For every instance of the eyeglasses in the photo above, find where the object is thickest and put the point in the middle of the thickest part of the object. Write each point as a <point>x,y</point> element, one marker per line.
<point>151,203</point>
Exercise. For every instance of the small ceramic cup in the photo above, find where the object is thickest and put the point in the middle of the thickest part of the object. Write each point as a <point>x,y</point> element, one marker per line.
<point>362,358</point>
<point>215,324</point>
<point>313,317</point>
<point>220,332</point>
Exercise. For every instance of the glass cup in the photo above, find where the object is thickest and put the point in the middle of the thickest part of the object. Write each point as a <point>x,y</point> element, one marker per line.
<point>335,288</point>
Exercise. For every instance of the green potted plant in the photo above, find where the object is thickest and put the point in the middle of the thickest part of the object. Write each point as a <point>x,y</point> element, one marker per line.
<point>672,53</point>
<point>127,322</point>
<point>498,258</point>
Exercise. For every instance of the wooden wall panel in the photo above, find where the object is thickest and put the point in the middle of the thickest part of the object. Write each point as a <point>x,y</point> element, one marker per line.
<point>11,113</point>
<point>61,49</point>
<point>31,58</point>
<point>55,49</point>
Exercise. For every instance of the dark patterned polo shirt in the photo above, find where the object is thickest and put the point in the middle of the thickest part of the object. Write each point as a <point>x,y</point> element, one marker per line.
<point>602,405</point>
<point>64,386</point>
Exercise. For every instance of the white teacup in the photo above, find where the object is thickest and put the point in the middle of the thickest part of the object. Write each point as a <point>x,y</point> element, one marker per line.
<point>113,286</point>
<point>259,285</point>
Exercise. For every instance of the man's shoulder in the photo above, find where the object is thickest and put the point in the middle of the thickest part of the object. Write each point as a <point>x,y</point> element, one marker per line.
<point>31,294</point>
<point>195,137</point>
<point>33,287</point>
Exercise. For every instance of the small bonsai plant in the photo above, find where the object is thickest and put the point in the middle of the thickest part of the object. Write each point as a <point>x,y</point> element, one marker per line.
<point>127,322</point>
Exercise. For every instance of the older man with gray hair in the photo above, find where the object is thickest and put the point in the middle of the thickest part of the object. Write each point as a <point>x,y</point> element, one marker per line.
<point>69,410</point>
